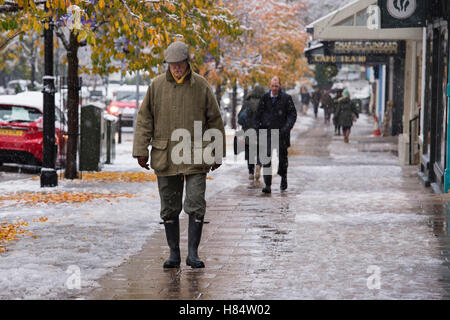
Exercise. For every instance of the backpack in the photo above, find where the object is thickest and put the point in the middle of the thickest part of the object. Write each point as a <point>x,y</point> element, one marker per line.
<point>242,118</point>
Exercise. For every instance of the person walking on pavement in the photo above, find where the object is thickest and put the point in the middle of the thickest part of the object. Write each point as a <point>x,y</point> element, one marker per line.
<point>327,105</point>
<point>276,110</point>
<point>346,110</point>
<point>337,127</point>
<point>305,98</point>
<point>174,100</point>
<point>316,100</point>
<point>247,119</point>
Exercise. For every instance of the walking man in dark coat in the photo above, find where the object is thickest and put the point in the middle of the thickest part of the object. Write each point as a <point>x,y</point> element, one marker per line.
<point>316,100</point>
<point>327,105</point>
<point>276,110</point>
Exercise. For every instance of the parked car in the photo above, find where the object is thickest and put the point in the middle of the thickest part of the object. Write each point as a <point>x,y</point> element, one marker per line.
<point>17,86</point>
<point>21,130</point>
<point>96,95</point>
<point>124,103</point>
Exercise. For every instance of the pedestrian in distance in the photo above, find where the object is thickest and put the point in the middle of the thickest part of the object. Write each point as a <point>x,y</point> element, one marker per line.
<point>305,99</point>
<point>327,105</point>
<point>345,114</point>
<point>337,127</point>
<point>276,110</point>
<point>247,119</point>
<point>316,100</point>
<point>176,100</point>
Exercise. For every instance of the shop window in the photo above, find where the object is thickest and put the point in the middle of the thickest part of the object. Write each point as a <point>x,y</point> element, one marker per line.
<point>347,22</point>
<point>361,18</point>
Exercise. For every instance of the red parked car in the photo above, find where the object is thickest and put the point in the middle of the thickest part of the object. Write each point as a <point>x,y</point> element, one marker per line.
<point>124,103</point>
<point>21,130</point>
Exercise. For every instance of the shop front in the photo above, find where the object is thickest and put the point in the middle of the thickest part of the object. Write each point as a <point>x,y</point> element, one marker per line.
<point>434,141</point>
<point>394,57</point>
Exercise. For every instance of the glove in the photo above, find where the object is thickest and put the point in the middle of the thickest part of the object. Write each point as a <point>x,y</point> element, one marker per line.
<point>143,162</point>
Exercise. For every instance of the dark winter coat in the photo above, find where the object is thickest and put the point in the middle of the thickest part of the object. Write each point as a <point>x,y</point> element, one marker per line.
<point>346,109</point>
<point>279,115</point>
<point>315,98</point>
<point>305,98</point>
<point>327,102</point>
<point>251,103</point>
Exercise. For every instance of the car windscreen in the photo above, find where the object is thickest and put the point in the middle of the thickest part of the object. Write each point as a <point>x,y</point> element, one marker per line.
<point>96,93</point>
<point>129,96</point>
<point>10,113</point>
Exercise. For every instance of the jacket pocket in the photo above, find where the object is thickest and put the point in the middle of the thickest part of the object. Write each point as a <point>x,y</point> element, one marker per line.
<point>158,154</point>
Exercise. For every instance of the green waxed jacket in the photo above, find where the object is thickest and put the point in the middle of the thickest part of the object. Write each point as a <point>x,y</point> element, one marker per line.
<point>168,106</point>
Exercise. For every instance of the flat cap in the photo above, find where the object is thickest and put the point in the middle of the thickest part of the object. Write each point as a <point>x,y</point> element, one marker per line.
<point>176,52</point>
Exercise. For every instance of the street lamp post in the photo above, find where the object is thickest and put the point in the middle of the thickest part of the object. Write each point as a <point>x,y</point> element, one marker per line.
<point>49,177</point>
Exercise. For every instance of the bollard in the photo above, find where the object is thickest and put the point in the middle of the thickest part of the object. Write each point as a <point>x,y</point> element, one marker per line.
<point>119,129</point>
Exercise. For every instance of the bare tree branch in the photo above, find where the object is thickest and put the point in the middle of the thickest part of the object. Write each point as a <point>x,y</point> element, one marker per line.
<point>7,41</point>
<point>63,39</point>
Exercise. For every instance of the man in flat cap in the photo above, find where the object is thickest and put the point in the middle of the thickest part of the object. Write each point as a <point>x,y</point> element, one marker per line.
<point>178,100</point>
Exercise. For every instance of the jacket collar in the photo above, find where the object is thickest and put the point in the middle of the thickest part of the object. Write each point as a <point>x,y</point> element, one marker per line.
<point>188,77</point>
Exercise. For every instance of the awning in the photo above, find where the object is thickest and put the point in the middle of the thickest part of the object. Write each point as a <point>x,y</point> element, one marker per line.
<point>354,22</point>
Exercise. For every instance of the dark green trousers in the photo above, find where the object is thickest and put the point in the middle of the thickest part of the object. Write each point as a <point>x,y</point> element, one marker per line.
<point>171,194</point>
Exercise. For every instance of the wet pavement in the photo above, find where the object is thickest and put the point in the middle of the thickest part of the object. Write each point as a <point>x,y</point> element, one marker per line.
<point>353,224</point>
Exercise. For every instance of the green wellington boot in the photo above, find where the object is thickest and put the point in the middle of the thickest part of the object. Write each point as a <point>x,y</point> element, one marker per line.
<point>173,240</point>
<point>194,236</point>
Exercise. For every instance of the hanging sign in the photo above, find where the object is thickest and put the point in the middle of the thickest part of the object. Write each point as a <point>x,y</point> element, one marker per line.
<point>364,47</point>
<point>345,59</point>
<point>403,13</point>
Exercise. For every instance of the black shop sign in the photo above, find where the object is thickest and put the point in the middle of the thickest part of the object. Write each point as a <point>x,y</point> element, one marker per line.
<point>353,52</point>
<point>403,13</point>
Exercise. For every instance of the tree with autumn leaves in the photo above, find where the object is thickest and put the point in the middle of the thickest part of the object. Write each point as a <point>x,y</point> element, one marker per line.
<point>233,41</point>
<point>119,30</point>
<point>272,43</point>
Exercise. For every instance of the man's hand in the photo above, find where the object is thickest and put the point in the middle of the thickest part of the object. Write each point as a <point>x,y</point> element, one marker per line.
<point>143,162</point>
<point>215,166</point>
